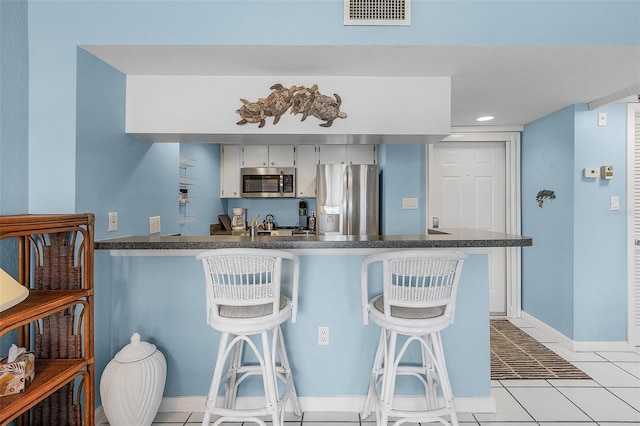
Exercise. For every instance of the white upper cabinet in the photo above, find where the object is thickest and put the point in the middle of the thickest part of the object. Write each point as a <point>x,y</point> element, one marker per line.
<point>268,156</point>
<point>306,171</point>
<point>333,154</point>
<point>347,154</point>
<point>303,157</point>
<point>230,171</point>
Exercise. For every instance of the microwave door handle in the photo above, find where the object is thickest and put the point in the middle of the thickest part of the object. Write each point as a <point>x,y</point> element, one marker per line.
<point>281,184</point>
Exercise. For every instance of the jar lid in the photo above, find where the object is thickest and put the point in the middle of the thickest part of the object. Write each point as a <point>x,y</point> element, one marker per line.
<point>136,350</point>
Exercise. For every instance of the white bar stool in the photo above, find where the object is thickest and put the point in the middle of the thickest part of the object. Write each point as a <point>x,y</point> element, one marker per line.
<point>243,290</point>
<point>418,301</point>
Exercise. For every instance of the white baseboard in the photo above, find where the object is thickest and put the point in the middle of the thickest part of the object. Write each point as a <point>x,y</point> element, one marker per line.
<point>324,403</point>
<point>344,404</point>
<point>617,346</point>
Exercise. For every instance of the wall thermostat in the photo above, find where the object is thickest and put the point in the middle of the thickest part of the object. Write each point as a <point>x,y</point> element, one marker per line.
<point>606,172</point>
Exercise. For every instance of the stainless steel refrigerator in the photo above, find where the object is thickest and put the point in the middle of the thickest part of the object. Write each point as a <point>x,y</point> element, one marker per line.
<point>347,199</point>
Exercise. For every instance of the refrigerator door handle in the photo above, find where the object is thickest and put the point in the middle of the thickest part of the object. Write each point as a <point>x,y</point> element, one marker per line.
<point>346,203</point>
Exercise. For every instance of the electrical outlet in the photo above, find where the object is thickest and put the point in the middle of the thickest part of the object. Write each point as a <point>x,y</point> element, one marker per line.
<point>409,203</point>
<point>113,221</point>
<point>154,225</point>
<point>323,336</point>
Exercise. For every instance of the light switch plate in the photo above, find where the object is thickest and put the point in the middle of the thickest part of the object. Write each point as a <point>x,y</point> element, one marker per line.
<point>614,204</point>
<point>154,225</point>
<point>113,221</point>
<point>591,172</point>
<point>602,119</point>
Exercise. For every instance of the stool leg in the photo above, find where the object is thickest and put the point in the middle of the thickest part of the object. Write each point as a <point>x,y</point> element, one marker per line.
<point>217,376</point>
<point>371,399</point>
<point>429,372</point>
<point>443,375</point>
<point>291,393</point>
<point>235,362</point>
<point>388,378</point>
<point>270,379</point>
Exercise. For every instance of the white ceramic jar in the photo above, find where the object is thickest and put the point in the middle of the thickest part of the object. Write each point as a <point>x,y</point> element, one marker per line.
<point>132,384</point>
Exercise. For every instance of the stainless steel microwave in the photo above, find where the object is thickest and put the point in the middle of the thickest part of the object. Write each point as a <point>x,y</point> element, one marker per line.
<point>268,182</point>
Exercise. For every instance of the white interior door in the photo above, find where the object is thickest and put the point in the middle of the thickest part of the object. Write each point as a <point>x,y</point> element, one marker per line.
<point>467,190</point>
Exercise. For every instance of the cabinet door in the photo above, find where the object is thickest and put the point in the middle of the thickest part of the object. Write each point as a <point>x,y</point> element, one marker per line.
<point>306,171</point>
<point>333,154</point>
<point>282,156</point>
<point>230,171</point>
<point>361,154</point>
<point>255,156</point>
<point>348,154</point>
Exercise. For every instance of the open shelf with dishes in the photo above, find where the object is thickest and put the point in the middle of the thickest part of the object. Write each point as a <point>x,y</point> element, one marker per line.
<point>184,184</point>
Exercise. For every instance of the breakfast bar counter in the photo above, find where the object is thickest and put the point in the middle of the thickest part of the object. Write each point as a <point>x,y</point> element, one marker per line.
<point>154,285</point>
<point>441,238</point>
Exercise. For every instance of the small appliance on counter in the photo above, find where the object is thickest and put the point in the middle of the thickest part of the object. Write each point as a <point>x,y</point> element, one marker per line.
<point>239,221</point>
<point>312,222</point>
<point>269,224</point>
<point>302,214</point>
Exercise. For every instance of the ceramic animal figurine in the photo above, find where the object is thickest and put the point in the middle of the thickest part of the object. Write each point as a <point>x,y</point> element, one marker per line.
<point>302,100</point>
<point>278,101</point>
<point>251,112</point>
<point>327,109</point>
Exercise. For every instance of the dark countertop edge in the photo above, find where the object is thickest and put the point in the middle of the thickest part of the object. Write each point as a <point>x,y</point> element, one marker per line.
<point>456,238</point>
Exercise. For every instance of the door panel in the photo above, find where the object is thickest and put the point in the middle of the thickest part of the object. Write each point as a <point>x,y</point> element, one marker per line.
<point>467,190</point>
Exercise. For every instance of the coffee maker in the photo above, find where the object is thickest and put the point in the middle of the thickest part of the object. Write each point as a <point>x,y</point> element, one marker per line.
<point>239,221</point>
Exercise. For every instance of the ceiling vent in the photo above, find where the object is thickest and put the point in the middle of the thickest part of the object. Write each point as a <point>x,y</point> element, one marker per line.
<point>377,12</point>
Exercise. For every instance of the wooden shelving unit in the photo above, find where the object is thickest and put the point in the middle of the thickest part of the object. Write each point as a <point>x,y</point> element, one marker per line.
<point>54,258</point>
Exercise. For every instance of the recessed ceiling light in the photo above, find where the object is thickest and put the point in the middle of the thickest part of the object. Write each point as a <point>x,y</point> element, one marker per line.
<point>485,118</point>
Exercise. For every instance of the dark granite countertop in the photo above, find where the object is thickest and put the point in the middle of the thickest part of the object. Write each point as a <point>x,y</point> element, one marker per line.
<point>451,238</point>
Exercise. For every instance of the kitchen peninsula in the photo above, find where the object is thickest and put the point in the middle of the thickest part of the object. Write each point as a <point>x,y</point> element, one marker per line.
<point>441,238</point>
<point>170,312</point>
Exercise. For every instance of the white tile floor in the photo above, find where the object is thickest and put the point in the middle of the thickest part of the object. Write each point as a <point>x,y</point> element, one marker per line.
<point>611,398</point>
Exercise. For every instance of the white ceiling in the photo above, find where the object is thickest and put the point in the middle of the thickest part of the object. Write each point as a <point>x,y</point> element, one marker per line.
<point>516,84</point>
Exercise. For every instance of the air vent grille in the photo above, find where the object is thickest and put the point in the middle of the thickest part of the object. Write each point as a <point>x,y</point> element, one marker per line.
<point>377,12</point>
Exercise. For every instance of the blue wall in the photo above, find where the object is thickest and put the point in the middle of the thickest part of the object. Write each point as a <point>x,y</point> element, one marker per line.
<point>14,107</point>
<point>403,176</point>
<point>14,110</point>
<point>576,272</point>
<point>116,172</point>
<point>56,28</point>
<point>207,205</point>
<point>170,290</point>
<point>71,153</point>
<point>547,266</point>
<point>600,270</point>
